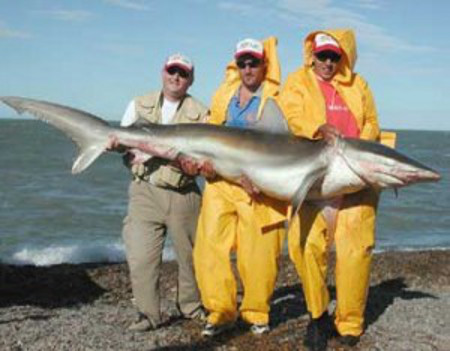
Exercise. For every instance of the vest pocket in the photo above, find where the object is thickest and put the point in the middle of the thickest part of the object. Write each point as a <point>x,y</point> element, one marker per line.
<point>192,116</point>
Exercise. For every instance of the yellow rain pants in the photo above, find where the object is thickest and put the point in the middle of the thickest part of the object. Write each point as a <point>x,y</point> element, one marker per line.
<point>309,241</point>
<point>309,244</point>
<point>231,221</point>
<point>228,223</point>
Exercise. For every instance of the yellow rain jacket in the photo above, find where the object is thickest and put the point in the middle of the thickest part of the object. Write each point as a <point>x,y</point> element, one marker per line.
<point>304,107</point>
<point>230,220</point>
<point>269,211</point>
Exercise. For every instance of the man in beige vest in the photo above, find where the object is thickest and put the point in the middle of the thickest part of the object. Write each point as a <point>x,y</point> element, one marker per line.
<point>162,199</point>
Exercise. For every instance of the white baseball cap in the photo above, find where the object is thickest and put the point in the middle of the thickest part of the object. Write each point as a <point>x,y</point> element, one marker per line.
<point>323,42</point>
<point>251,47</point>
<point>179,60</point>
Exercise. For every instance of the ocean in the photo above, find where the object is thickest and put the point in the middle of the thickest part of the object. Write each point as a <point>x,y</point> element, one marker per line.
<point>49,216</point>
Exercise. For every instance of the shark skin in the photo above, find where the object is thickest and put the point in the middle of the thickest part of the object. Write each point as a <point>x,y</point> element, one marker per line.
<point>281,165</point>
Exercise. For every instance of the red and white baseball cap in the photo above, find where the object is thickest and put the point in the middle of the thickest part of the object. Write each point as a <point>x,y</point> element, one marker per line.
<point>251,47</point>
<point>323,42</point>
<point>181,61</point>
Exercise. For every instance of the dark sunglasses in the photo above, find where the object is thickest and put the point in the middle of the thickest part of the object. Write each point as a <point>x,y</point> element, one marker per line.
<point>252,63</point>
<point>181,72</point>
<point>328,55</point>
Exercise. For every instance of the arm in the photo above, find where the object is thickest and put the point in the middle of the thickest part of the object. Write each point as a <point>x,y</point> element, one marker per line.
<point>302,105</point>
<point>290,101</point>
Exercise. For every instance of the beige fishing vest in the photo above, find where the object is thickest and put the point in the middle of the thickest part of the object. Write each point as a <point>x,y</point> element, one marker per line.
<point>158,171</point>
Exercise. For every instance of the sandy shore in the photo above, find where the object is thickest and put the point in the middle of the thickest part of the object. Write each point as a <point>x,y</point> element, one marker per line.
<point>87,307</point>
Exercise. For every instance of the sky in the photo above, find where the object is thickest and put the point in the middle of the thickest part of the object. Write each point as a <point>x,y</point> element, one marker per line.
<point>96,55</point>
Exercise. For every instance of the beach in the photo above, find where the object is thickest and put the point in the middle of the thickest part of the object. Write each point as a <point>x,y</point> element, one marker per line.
<point>88,307</point>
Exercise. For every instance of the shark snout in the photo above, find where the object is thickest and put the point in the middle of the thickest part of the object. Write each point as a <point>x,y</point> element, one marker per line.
<point>422,175</point>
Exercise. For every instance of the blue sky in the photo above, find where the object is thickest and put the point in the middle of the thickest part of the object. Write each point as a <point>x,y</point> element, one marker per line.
<point>98,54</point>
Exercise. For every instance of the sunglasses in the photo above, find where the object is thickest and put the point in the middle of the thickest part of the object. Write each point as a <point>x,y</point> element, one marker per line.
<point>328,55</point>
<point>252,63</point>
<point>181,72</point>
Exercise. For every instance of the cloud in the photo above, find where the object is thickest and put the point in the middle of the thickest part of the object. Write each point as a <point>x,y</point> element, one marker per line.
<point>68,15</point>
<point>368,4</point>
<point>240,8</point>
<point>308,13</point>
<point>136,5</point>
<point>6,32</point>
<point>324,11</point>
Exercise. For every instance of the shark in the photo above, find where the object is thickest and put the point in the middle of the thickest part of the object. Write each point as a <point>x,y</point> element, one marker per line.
<point>279,164</point>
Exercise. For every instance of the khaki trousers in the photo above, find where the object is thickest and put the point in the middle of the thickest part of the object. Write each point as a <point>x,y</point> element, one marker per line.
<point>152,212</point>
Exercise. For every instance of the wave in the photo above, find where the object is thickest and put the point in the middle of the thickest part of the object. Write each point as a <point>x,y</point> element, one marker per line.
<point>72,254</point>
<point>115,253</point>
<point>395,248</point>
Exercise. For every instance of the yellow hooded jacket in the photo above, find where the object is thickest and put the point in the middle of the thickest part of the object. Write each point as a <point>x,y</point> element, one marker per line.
<point>302,100</point>
<point>304,107</point>
<point>268,211</point>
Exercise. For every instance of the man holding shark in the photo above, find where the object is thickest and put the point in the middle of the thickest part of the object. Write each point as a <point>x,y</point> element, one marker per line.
<point>163,199</point>
<point>231,220</point>
<point>325,97</point>
<point>282,166</point>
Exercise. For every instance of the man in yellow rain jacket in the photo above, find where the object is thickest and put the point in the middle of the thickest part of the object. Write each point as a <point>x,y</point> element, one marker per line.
<point>321,98</point>
<point>230,219</point>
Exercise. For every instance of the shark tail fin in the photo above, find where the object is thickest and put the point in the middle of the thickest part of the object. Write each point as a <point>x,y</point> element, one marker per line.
<point>90,133</point>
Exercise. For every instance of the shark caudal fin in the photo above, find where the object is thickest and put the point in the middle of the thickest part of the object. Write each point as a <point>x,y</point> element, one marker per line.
<point>90,133</point>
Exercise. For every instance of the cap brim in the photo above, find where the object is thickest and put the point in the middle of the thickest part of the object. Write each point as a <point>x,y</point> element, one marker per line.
<point>250,53</point>
<point>328,47</point>
<point>179,65</point>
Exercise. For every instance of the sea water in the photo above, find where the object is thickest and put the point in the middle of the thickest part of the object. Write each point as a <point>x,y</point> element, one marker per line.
<point>49,216</point>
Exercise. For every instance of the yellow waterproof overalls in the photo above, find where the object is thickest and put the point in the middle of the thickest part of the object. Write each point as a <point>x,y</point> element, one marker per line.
<point>230,220</point>
<point>304,107</point>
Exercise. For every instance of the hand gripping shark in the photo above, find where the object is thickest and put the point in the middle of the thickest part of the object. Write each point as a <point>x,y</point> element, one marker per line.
<point>281,165</point>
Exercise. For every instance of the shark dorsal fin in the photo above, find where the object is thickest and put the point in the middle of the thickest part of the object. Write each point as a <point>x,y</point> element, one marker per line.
<point>272,119</point>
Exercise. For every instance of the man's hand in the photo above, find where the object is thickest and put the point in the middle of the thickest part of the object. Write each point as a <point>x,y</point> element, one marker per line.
<point>207,170</point>
<point>328,132</point>
<point>189,166</point>
<point>114,145</point>
<point>194,168</point>
<point>138,169</point>
<point>249,187</point>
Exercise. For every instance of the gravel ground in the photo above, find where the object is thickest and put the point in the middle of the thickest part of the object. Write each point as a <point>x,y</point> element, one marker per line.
<point>88,307</point>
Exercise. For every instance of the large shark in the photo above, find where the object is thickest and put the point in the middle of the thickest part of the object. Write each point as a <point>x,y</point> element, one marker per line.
<point>279,164</point>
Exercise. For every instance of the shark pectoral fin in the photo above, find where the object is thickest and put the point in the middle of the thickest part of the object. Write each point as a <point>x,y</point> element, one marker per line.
<point>86,157</point>
<point>301,193</point>
<point>330,211</point>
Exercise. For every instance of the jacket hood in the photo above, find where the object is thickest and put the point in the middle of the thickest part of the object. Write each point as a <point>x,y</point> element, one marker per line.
<point>347,42</point>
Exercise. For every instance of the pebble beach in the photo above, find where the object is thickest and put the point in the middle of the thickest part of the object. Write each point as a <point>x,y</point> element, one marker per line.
<point>88,307</point>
